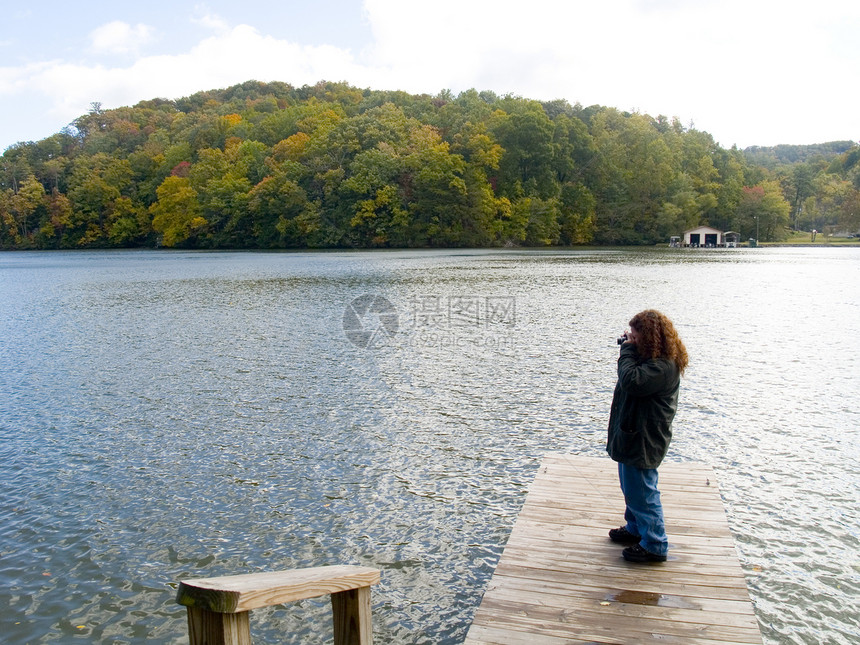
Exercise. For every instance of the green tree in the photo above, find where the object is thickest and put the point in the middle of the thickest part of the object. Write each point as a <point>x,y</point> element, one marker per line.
<point>526,135</point>
<point>14,167</point>
<point>849,218</point>
<point>96,182</point>
<point>510,226</point>
<point>434,184</point>
<point>333,165</point>
<point>542,227</point>
<point>176,216</point>
<point>763,211</point>
<point>281,214</point>
<point>221,184</point>
<point>573,149</point>
<point>729,192</point>
<point>833,207</point>
<point>58,219</point>
<point>381,220</point>
<point>482,156</point>
<point>128,223</point>
<point>802,187</point>
<point>685,207</point>
<point>23,205</point>
<point>8,228</point>
<point>379,216</point>
<point>576,219</point>
<point>635,174</point>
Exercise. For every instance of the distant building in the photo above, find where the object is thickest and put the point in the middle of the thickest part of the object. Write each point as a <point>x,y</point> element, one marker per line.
<point>731,239</point>
<point>704,236</point>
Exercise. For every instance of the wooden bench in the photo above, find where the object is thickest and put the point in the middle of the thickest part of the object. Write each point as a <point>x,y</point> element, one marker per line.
<point>219,608</point>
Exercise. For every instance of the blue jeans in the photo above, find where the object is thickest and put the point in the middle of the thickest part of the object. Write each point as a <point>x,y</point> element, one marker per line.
<point>644,512</point>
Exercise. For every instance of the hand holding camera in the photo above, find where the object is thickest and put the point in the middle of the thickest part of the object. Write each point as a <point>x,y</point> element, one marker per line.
<point>630,336</point>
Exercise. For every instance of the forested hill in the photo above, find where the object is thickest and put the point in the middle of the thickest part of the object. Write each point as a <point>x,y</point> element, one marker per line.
<point>268,165</point>
<point>774,156</point>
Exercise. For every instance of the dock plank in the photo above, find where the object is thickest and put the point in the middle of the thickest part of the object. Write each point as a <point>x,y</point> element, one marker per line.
<point>561,580</point>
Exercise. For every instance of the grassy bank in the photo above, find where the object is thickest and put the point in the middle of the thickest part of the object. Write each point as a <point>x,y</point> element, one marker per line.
<point>804,238</point>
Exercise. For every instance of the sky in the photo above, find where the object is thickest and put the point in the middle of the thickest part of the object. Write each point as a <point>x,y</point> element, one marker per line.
<point>749,72</point>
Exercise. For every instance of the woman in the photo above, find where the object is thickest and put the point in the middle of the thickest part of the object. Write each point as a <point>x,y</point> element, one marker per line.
<point>650,365</point>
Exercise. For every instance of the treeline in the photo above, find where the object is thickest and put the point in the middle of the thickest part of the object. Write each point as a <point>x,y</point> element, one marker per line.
<point>775,156</point>
<point>273,166</point>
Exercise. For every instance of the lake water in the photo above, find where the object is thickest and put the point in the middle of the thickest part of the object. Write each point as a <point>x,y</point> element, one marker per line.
<point>166,415</point>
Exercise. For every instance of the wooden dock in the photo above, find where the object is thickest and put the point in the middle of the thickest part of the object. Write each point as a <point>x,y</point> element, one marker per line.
<point>561,580</point>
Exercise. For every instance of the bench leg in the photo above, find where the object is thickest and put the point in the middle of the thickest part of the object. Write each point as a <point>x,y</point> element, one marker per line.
<point>352,617</point>
<point>212,628</point>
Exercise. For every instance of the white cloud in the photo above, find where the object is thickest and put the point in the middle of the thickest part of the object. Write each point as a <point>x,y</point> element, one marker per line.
<point>745,71</point>
<point>761,72</point>
<point>17,79</point>
<point>210,20</point>
<point>219,61</point>
<point>119,37</point>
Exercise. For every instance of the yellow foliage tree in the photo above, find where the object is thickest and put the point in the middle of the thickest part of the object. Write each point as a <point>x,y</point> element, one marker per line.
<point>176,214</point>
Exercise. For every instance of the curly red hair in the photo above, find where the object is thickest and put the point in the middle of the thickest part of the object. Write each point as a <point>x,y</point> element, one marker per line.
<point>658,338</point>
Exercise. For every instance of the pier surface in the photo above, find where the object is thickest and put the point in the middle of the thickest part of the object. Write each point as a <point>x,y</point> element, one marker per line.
<point>561,580</point>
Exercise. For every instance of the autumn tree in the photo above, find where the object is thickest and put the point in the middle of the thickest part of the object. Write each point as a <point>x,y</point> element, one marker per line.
<point>23,205</point>
<point>96,182</point>
<point>176,216</point>
<point>58,219</point>
<point>281,215</point>
<point>261,165</point>
<point>763,211</point>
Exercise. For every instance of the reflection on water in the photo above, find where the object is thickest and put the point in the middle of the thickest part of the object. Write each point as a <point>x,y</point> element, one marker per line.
<point>172,415</point>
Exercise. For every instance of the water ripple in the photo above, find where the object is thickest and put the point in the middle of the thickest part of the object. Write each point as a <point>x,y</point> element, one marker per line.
<point>173,415</point>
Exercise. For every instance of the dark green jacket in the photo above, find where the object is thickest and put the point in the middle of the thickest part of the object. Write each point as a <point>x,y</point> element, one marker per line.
<point>643,406</point>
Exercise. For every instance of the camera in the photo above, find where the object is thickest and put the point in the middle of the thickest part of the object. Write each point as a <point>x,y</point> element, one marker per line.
<point>621,339</point>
